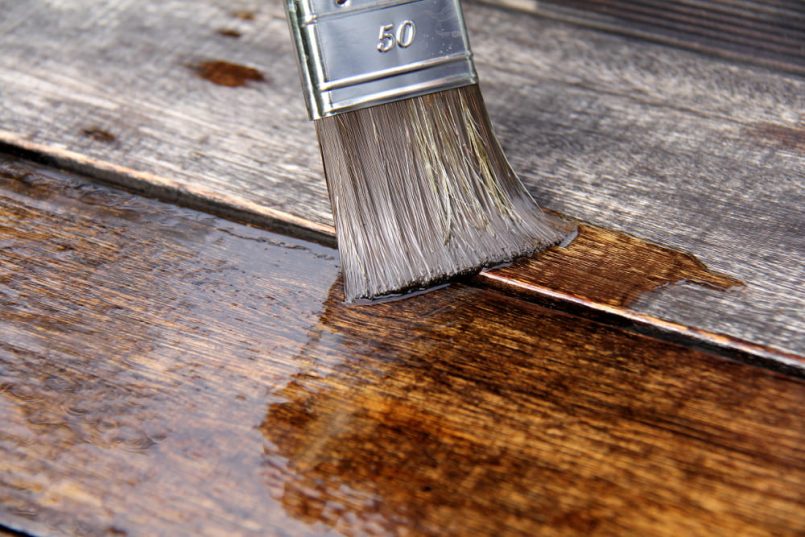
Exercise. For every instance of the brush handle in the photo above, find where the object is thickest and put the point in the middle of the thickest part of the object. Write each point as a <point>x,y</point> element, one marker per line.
<point>359,53</point>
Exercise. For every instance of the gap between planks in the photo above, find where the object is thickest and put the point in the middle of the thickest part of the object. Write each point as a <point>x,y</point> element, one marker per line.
<point>240,210</point>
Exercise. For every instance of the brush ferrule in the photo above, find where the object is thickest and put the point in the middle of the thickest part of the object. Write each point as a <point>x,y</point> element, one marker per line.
<point>359,53</point>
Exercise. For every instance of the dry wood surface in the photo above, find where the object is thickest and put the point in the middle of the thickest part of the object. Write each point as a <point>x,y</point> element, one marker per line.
<point>167,372</point>
<point>765,32</point>
<point>199,101</point>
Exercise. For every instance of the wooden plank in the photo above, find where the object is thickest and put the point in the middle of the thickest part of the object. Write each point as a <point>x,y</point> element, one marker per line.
<point>761,32</point>
<point>167,372</point>
<point>680,150</point>
<point>602,273</point>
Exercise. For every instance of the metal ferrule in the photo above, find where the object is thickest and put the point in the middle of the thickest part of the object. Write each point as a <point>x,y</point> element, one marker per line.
<point>359,53</point>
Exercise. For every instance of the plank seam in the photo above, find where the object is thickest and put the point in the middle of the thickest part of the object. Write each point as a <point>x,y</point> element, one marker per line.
<point>241,210</point>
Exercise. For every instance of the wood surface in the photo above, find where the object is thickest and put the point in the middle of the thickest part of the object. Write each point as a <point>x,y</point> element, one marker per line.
<point>770,33</point>
<point>600,273</point>
<point>167,372</point>
<point>199,102</point>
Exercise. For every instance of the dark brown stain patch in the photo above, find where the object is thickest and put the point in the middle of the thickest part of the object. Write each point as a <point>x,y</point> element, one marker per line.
<point>229,32</point>
<point>468,405</point>
<point>99,135</point>
<point>231,75</point>
<point>244,15</point>
<point>613,268</point>
<point>787,137</point>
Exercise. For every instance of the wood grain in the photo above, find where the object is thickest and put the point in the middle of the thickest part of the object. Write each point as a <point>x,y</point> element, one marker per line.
<point>756,31</point>
<point>168,372</point>
<point>675,148</point>
<point>611,268</point>
<point>600,273</point>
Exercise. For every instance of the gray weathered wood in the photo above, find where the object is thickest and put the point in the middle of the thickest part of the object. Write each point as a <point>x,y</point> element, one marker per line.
<point>756,31</point>
<point>681,149</point>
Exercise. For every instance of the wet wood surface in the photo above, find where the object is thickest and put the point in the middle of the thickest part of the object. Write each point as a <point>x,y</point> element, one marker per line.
<point>164,371</point>
<point>199,102</point>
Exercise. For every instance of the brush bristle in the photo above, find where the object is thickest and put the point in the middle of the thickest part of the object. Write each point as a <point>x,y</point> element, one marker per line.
<point>421,191</point>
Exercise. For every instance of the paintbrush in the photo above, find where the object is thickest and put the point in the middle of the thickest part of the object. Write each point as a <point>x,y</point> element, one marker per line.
<point>419,185</point>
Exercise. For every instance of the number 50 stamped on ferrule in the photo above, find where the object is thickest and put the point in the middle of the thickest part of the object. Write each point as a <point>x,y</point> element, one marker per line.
<point>359,53</point>
<point>402,37</point>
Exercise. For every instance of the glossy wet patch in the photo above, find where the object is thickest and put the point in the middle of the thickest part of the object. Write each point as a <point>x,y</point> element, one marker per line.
<point>467,411</point>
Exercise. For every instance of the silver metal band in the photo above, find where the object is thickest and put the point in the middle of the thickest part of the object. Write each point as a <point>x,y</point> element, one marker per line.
<point>359,53</point>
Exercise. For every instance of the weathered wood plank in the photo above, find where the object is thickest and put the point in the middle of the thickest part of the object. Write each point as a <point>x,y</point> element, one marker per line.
<point>757,31</point>
<point>602,273</point>
<point>166,372</point>
<point>681,150</point>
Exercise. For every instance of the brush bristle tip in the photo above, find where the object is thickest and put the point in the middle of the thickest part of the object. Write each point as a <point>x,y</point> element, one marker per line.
<point>421,191</point>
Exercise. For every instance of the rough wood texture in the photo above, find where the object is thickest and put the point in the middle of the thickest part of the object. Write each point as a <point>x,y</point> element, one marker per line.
<point>757,31</point>
<point>166,372</point>
<point>676,148</point>
<point>603,272</point>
